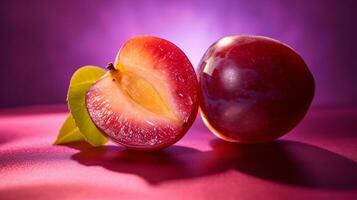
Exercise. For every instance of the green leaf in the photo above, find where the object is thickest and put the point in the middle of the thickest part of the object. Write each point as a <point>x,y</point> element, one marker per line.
<point>69,132</point>
<point>81,80</point>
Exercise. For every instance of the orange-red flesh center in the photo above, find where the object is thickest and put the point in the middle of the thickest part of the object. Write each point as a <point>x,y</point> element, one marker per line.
<point>143,93</point>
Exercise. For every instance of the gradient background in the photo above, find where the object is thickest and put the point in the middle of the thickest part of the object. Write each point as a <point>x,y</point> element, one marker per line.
<point>44,42</point>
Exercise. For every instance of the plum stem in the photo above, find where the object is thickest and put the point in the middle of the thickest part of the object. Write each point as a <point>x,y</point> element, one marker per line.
<point>114,72</point>
<point>111,67</point>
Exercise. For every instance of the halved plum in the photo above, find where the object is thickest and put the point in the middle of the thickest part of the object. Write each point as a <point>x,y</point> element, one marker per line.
<point>148,98</point>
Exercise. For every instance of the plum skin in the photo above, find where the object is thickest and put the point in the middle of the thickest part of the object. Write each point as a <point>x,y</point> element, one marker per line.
<point>253,89</point>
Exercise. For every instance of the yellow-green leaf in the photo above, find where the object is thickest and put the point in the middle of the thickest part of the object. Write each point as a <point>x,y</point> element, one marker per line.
<point>81,80</point>
<point>69,132</point>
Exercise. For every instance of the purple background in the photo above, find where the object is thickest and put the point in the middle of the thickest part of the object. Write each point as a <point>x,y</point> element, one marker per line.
<point>44,42</point>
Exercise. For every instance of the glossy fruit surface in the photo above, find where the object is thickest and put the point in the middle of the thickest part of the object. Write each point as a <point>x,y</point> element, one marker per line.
<point>253,89</point>
<point>149,98</point>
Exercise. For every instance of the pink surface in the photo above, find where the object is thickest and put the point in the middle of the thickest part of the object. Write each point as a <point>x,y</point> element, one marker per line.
<point>317,160</point>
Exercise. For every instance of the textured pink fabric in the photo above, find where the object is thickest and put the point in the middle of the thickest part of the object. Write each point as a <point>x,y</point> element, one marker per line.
<point>317,160</point>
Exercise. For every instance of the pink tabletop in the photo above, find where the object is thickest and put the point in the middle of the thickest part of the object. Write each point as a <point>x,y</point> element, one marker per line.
<point>317,160</point>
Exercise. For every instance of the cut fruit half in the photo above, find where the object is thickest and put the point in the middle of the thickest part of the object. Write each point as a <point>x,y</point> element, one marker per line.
<point>148,98</point>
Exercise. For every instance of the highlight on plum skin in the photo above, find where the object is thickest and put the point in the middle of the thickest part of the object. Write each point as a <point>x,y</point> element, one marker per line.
<point>149,97</point>
<point>253,89</point>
